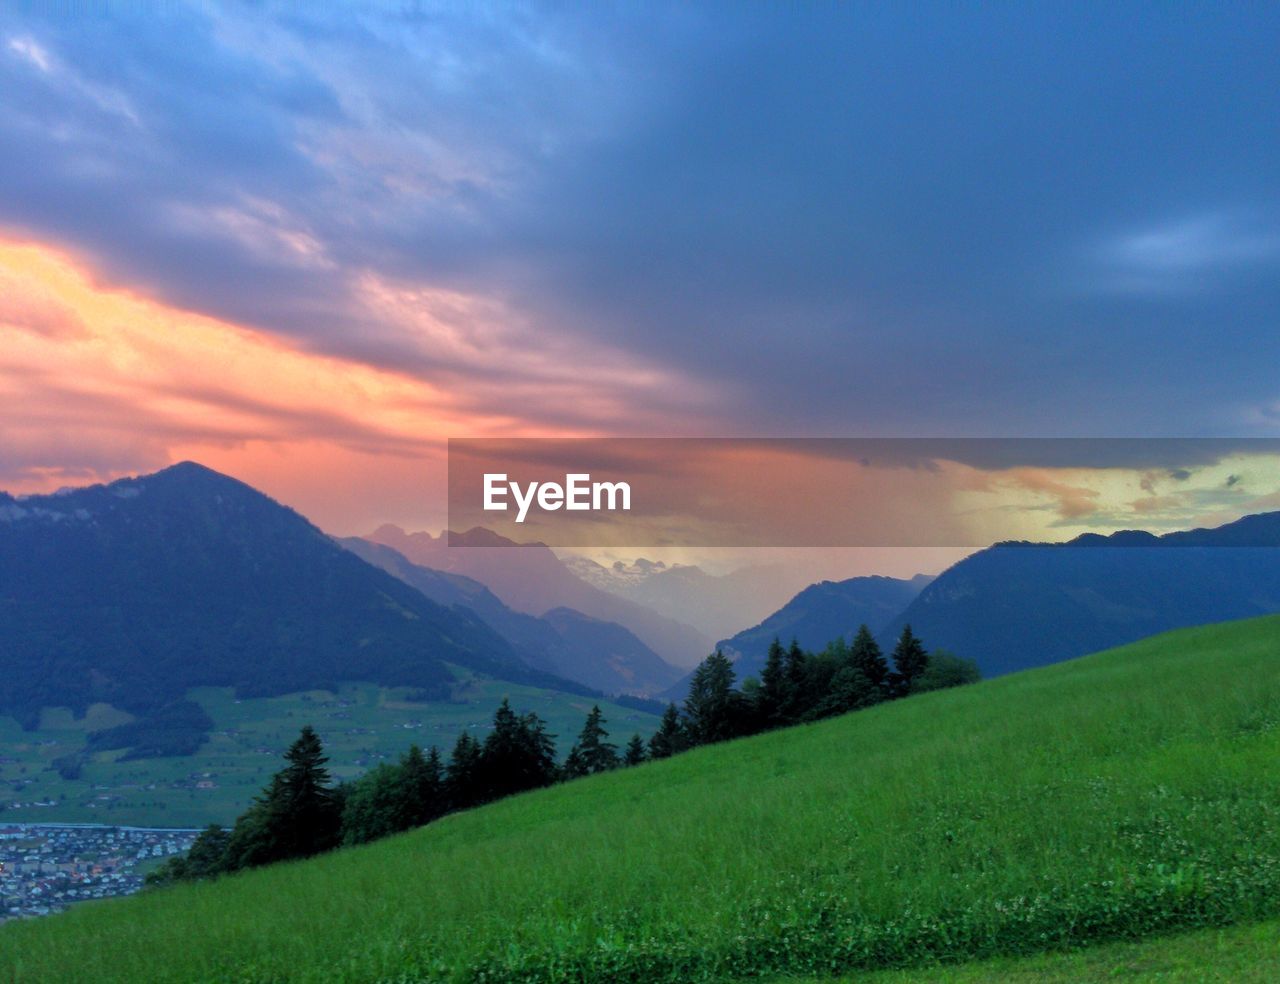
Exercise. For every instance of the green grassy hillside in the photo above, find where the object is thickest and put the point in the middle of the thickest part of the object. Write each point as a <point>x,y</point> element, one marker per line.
<point>361,725</point>
<point>1127,793</point>
<point>1247,954</point>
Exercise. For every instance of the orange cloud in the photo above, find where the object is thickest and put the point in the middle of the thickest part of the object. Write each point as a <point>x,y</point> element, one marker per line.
<point>103,381</point>
<point>1073,501</point>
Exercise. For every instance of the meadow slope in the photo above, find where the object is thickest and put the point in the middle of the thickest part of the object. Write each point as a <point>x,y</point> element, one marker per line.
<point>1126,793</point>
<point>1248,954</point>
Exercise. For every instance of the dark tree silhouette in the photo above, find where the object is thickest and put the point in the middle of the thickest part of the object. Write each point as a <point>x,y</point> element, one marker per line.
<point>713,709</point>
<point>909,661</point>
<point>670,738</point>
<point>299,814</point>
<point>595,750</point>
<point>461,776</point>
<point>635,753</point>
<point>865,655</point>
<point>774,687</point>
<point>517,755</point>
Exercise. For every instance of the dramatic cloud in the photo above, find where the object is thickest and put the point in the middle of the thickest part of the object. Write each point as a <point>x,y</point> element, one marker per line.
<point>107,381</point>
<point>648,219</point>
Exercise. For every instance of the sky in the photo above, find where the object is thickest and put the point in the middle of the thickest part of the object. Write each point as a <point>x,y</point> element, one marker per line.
<point>307,243</point>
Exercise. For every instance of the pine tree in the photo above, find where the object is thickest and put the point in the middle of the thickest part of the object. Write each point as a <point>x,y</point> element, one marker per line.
<point>253,838</point>
<point>752,719</point>
<point>909,661</point>
<point>837,651</point>
<point>436,776</point>
<point>773,693</point>
<point>865,655</point>
<point>797,700</point>
<point>517,755</point>
<point>635,753</point>
<point>575,766</point>
<point>461,778</point>
<point>597,752</point>
<point>299,814</point>
<point>670,737</point>
<point>820,670</point>
<point>540,750</point>
<point>500,754</point>
<point>711,709</point>
<point>310,806</point>
<point>420,788</point>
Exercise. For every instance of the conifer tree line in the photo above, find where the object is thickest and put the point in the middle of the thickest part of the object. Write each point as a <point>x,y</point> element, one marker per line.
<point>796,687</point>
<point>302,812</point>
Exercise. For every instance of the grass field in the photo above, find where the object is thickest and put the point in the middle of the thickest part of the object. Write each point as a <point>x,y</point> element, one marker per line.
<point>361,725</point>
<point>1125,794</point>
<point>1234,955</point>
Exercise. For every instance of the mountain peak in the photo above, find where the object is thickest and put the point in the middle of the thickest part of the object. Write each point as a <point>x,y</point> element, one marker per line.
<point>185,482</point>
<point>138,590</point>
<point>188,467</point>
<point>479,536</point>
<point>192,473</point>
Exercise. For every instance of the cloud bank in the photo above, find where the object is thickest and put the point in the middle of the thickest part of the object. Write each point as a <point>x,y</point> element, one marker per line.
<point>659,219</point>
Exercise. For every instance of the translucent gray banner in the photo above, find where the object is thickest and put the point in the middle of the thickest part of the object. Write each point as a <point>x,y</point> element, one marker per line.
<point>848,492</point>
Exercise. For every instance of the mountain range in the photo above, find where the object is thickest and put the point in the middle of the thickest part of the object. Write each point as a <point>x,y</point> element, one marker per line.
<point>714,604</point>
<point>594,652</point>
<point>131,593</point>
<point>824,612</point>
<point>1018,605</point>
<point>530,578</point>
<point>816,616</point>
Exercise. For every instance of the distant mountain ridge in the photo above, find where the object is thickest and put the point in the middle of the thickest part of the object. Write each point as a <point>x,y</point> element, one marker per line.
<point>1017,605</point>
<point>824,612</point>
<point>598,654</point>
<point>617,573</point>
<point>131,593</point>
<point>532,579</point>
<point>715,604</point>
<point>821,613</point>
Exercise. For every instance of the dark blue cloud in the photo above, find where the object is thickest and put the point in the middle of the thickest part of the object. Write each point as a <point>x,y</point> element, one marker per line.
<point>844,218</point>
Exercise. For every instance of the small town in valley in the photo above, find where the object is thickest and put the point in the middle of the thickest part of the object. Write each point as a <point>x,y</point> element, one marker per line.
<point>44,868</point>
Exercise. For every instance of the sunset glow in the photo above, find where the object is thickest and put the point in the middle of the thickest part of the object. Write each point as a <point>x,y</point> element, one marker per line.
<point>323,241</point>
<point>112,382</point>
